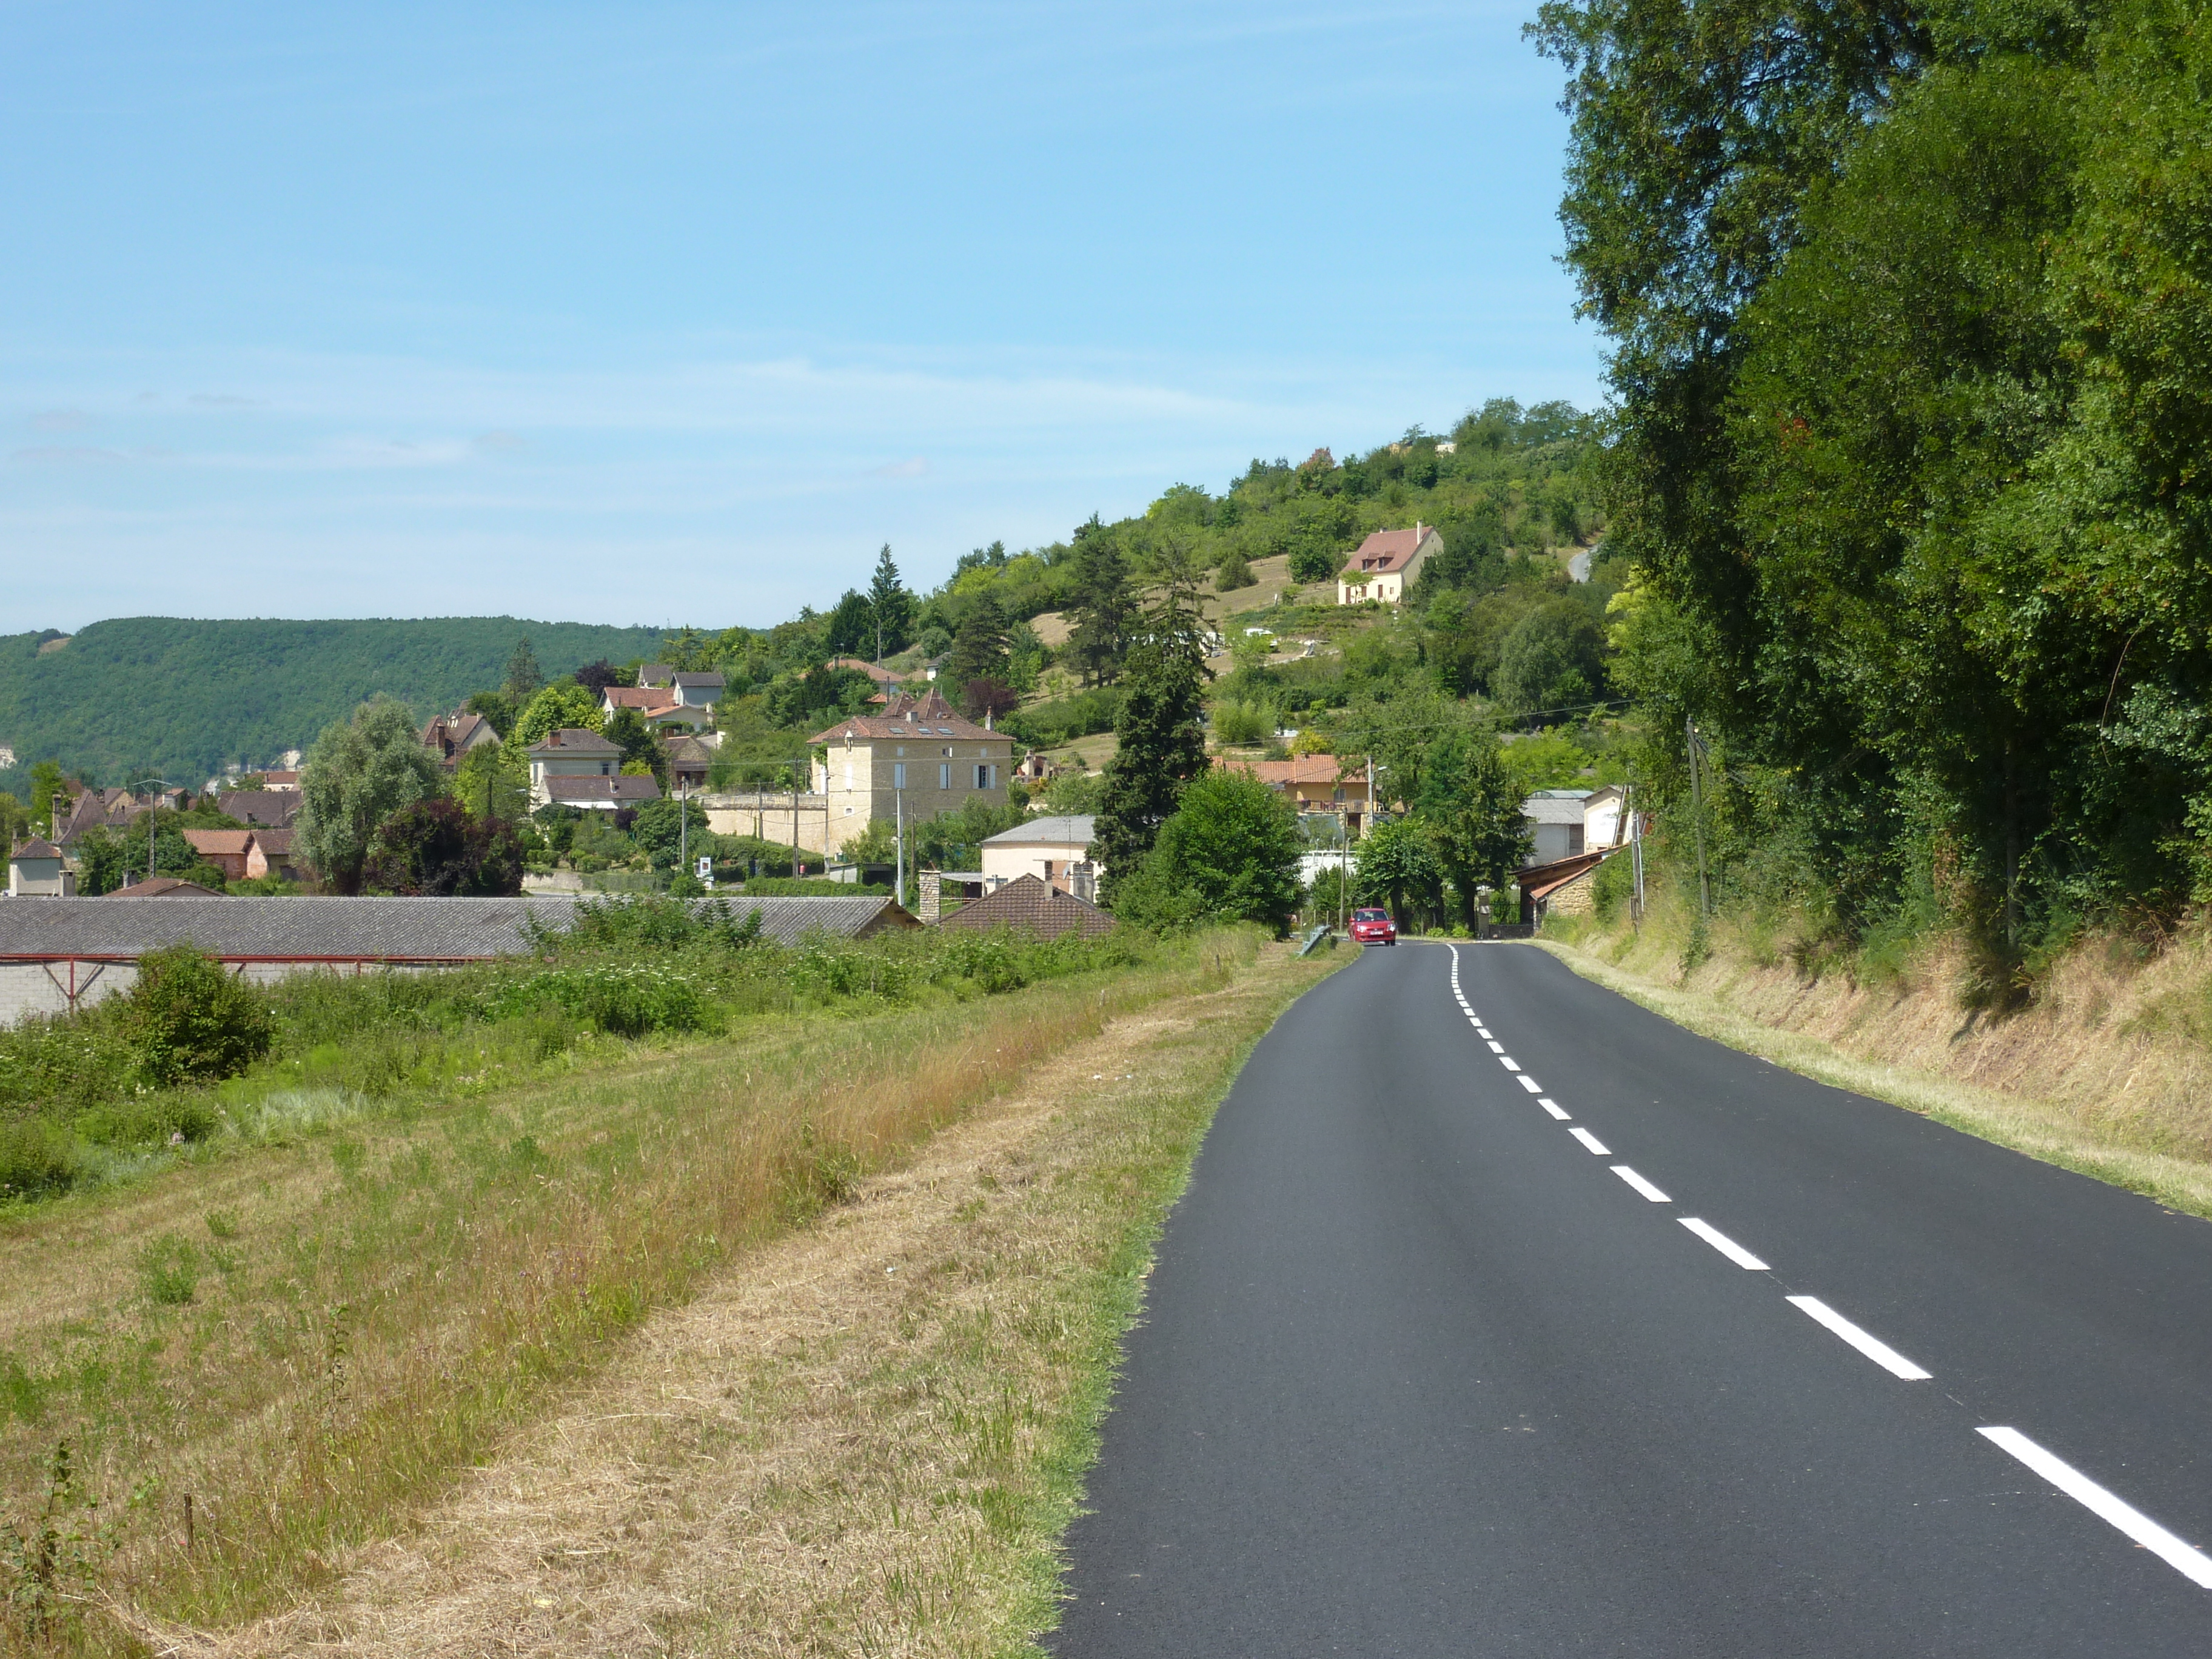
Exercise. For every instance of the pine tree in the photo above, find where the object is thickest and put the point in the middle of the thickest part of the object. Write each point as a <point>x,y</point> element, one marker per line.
<point>523,677</point>
<point>979,649</point>
<point>1160,747</point>
<point>892,605</point>
<point>1104,607</point>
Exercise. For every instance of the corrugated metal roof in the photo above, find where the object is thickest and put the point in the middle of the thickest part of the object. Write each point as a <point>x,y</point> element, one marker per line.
<point>365,929</point>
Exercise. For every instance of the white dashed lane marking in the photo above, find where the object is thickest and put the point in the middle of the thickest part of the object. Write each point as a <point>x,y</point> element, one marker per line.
<point>1529,1083</point>
<point>1872,1347</point>
<point>1727,1246</point>
<point>1554,1109</point>
<point>2191,1563</point>
<point>1590,1141</point>
<point>1640,1183</point>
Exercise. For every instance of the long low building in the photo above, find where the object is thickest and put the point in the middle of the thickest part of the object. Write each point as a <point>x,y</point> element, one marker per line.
<point>56,954</point>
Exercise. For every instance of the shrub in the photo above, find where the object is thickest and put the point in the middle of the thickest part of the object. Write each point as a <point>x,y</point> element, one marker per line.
<point>192,1021</point>
<point>1313,564</point>
<point>1243,722</point>
<point>1233,573</point>
<point>37,1159</point>
<point>628,1002</point>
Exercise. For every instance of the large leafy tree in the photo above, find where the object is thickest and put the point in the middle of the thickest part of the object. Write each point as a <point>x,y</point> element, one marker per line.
<point>360,772</point>
<point>435,848</point>
<point>1229,852</point>
<point>1160,747</point>
<point>1396,857</point>
<point>562,707</point>
<point>1470,806</point>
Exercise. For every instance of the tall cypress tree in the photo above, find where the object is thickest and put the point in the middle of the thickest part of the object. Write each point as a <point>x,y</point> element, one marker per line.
<point>1160,748</point>
<point>892,605</point>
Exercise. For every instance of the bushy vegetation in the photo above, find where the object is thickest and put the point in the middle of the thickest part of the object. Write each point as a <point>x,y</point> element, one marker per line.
<point>1909,320</point>
<point>193,1056</point>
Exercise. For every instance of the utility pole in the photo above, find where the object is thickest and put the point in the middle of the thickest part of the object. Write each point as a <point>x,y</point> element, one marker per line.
<point>1698,812</point>
<point>898,849</point>
<point>682,829</point>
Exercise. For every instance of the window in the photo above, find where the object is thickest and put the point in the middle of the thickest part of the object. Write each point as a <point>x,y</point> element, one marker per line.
<point>898,775</point>
<point>983,777</point>
<point>1574,839</point>
<point>944,775</point>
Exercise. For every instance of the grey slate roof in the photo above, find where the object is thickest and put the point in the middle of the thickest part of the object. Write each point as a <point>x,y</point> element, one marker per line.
<point>1075,828</point>
<point>1554,806</point>
<point>363,929</point>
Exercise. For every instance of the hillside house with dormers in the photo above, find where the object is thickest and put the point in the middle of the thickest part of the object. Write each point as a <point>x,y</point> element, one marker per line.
<point>917,754</point>
<point>1386,564</point>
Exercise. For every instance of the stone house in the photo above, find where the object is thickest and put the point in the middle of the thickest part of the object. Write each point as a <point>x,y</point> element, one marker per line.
<point>1055,850</point>
<point>36,870</point>
<point>917,754</point>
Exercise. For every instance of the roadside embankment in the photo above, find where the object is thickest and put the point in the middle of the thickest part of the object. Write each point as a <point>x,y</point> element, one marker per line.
<point>2106,1070</point>
<point>238,1386</point>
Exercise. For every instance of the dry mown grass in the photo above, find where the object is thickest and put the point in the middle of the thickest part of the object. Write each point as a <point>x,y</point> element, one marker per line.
<point>2107,1071</point>
<point>866,1436</point>
<point>365,1314</point>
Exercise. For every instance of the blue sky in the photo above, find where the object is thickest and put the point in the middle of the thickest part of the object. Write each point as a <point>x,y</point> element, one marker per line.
<point>660,314</point>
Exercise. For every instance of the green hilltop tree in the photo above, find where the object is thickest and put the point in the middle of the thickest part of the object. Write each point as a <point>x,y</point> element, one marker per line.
<point>558,707</point>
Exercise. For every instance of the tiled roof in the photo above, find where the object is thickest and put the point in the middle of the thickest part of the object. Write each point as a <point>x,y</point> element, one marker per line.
<point>656,673</point>
<point>368,929</point>
<point>161,887</point>
<point>569,791</point>
<point>276,843</point>
<point>1386,550</point>
<point>1300,768</point>
<point>276,807</point>
<point>1031,906</point>
<point>704,679</point>
<point>926,716</point>
<point>1073,830</point>
<point>291,780</point>
<point>1540,881</point>
<point>638,696</point>
<point>573,740</point>
<point>35,848</point>
<point>217,841</point>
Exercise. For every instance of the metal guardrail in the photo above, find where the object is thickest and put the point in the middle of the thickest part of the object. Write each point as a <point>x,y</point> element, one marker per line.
<point>1314,937</point>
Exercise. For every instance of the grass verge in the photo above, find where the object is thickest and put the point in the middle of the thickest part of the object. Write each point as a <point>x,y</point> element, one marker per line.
<point>226,1383</point>
<point>866,1436</point>
<point>2044,1129</point>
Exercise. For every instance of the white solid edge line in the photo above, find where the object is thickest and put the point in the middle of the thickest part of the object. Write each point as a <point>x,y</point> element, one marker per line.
<point>1727,1246</point>
<point>1872,1347</point>
<point>1589,1140</point>
<point>2191,1563</point>
<point>1529,1083</point>
<point>1641,1184</point>
<point>1554,1109</point>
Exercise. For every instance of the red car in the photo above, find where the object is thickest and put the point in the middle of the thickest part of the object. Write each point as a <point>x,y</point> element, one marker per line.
<point>1373,927</point>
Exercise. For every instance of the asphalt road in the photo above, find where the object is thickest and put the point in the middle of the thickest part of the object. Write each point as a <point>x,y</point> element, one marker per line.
<point>1423,1371</point>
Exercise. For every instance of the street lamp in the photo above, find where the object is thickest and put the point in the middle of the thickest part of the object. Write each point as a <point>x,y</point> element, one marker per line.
<point>150,811</point>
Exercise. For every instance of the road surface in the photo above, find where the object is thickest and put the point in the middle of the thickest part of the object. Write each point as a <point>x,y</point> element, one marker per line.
<point>1503,1318</point>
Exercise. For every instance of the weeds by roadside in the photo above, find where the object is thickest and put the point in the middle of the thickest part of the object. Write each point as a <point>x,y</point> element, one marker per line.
<point>303,1338</point>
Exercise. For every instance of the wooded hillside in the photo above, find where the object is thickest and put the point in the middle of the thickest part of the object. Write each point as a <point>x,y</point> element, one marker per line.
<point>174,698</point>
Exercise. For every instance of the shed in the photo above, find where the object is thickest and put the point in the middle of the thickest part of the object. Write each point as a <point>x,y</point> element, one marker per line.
<point>60,953</point>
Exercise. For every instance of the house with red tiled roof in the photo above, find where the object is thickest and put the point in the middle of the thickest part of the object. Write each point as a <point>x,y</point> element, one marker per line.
<point>1386,564</point>
<point>1314,783</point>
<point>228,850</point>
<point>917,758</point>
<point>452,736</point>
<point>658,706</point>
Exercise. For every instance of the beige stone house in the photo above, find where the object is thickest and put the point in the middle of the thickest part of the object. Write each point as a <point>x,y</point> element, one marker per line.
<point>917,754</point>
